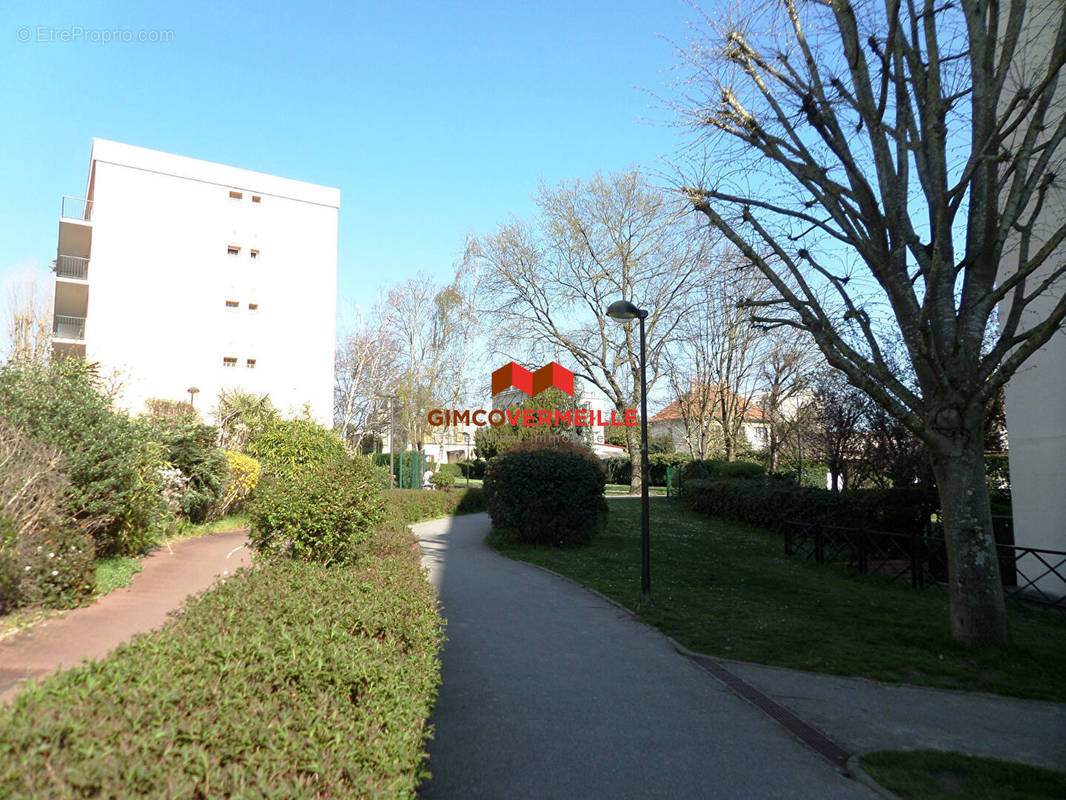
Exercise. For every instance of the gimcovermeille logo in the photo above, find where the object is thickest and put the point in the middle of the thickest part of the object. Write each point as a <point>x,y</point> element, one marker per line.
<point>516,376</point>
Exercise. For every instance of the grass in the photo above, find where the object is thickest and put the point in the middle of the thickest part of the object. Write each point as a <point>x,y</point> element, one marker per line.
<point>933,775</point>
<point>622,490</point>
<point>115,572</point>
<point>728,590</point>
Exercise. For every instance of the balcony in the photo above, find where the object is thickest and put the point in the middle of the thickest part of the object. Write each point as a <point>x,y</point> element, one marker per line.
<point>76,208</point>
<point>72,268</point>
<point>69,328</point>
<point>75,227</point>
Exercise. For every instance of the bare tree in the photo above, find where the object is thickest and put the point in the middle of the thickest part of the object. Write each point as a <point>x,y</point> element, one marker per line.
<point>550,280</point>
<point>432,336</point>
<point>788,365</point>
<point>367,367</point>
<point>839,414</point>
<point>717,352</point>
<point>29,321</point>
<point>891,155</point>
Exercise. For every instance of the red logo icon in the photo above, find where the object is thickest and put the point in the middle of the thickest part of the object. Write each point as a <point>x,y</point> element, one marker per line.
<point>533,383</point>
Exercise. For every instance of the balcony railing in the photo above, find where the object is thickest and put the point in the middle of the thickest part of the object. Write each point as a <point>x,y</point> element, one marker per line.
<point>66,327</point>
<point>76,208</point>
<point>72,267</point>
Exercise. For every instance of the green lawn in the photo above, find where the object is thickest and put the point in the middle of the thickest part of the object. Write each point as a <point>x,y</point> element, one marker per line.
<point>114,572</point>
<point>932,775</point>
<point>622,489</point>
<point>728,590</point>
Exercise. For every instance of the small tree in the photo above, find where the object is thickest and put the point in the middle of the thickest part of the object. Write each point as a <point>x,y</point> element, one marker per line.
<point>889,164</point>
<point>548,282</point>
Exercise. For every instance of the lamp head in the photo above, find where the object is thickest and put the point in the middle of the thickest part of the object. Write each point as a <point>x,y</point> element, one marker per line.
<point>623,311</point>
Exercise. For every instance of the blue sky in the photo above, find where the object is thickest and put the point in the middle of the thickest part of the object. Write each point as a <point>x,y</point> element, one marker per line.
<point>434,119</point>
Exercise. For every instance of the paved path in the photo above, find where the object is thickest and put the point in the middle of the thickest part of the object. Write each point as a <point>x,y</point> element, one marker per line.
<point>168,576</point>
<point>863,715</point>
<point>551,692</point>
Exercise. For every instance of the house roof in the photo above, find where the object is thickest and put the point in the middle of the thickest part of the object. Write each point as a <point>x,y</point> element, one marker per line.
<point>752,412</point>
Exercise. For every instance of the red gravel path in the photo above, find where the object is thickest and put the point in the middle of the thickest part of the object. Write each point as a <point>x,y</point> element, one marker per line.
<point>169,575</point>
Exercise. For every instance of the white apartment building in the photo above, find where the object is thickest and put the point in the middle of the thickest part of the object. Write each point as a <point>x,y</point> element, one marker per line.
<point>177,274</point>
<point>1036,395</point>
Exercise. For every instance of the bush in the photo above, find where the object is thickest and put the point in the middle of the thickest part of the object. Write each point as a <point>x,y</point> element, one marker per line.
<point>190,447</point>
<point>286,446</point>
<point>620,469</point>
<point>549,495</point>
<point>450,469</point>
<point>33,486</point>
<point>242,476</point>
<point>772,504</point>
<point>320,513</point>
<point>55,567</point>
<point>45,558</point>
<point>291,680</point>
<point>113,469</point>
<point>720,469</point>
<point>475,470</point>
<point>407,506</point>
<point>442,480</point>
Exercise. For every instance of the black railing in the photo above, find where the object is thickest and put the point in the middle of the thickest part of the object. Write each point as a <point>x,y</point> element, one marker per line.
<point>1027,572</point>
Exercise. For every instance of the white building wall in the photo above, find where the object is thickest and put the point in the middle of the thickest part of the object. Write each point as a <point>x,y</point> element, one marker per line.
<point>1036,395</point>
<point>160,276</point>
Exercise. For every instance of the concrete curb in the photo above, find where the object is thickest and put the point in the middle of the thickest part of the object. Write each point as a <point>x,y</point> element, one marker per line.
<point>863,777</point>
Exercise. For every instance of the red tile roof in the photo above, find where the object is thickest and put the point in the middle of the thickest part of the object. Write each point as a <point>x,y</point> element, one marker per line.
<point>752,413</point>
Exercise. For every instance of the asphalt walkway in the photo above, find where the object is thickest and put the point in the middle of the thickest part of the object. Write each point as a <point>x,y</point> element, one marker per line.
<point>168,576</point>
<point>550,691</point>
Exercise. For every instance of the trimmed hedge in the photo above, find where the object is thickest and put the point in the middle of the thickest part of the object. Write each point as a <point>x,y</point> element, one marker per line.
<point>772,504</point>
<point>620,468</point>
<point>552,495</point>
<point>720,469</point>
<point>318,513</point>
<point>288,680</point>
<point>408,506</point>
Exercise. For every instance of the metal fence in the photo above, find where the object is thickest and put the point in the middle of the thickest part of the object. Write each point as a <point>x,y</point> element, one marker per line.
<point>1027,572</point>
<point>72,267</point>
<point>68,327</point>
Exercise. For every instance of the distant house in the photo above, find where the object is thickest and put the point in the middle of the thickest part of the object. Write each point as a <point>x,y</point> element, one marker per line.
<point>672,420</point>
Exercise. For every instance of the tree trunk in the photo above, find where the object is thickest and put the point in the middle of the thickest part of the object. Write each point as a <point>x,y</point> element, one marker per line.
<point>978,614</point>
<point>633,445</point>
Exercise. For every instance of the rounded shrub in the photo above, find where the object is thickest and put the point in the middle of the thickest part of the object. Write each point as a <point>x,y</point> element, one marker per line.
<point>286,446</point>
<point>47,565</point>
<point>319,513</point>
<point>442,480</point>
<point>546,493</point>
<point>242,476</point>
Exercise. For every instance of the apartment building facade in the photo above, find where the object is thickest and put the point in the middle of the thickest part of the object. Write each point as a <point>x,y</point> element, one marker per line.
<point>179,274</point>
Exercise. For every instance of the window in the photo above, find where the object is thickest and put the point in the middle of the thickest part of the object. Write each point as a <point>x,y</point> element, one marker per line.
<point>232,304</point>
<point>250,363</point>
<point>253,254</point>
<point>233,250</point>
<point>253,306</point>
<point>229,361</point>
<point>236,195</point>
<point>256,198</point>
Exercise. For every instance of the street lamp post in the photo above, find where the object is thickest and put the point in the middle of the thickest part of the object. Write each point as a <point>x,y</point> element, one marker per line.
<point>193,391</point>
<point>466,452</point>
<point>392,416</point>
<point>624,311</point>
